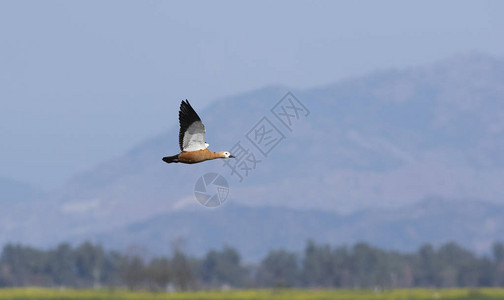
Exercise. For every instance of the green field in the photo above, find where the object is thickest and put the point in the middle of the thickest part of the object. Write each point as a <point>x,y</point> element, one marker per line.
<point>312,294</point>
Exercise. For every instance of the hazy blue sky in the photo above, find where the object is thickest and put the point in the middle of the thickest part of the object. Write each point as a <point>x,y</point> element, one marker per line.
<point>83,81</point>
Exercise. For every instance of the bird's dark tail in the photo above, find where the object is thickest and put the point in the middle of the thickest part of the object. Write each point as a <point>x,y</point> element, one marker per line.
<point>171,159</point>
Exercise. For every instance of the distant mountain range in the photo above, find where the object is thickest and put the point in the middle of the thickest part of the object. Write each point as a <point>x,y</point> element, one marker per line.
<point>256,230</point>
<point>354,164</point>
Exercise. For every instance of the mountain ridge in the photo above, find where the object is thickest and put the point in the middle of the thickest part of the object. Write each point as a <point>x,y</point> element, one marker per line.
<point>256,230</point>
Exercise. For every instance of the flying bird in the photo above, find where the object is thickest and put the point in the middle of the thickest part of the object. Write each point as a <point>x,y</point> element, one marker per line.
<point>193,148</point>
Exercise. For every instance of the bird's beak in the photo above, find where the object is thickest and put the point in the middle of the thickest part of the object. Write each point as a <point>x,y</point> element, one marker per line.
<point>232,156</point>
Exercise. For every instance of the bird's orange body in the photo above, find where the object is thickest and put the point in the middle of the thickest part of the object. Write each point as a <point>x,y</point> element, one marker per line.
<point>198,156</point>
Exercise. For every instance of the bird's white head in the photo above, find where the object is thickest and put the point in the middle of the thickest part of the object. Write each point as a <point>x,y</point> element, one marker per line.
<point>226,154</point>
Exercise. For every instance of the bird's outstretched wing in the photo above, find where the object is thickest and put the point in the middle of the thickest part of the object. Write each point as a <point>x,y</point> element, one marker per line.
<point>192,130</point>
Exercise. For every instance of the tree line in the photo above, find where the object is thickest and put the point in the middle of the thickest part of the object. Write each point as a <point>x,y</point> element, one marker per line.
<point>320,265</point>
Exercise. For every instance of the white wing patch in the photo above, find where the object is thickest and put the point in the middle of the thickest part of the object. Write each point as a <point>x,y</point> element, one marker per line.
<point>194,137</point>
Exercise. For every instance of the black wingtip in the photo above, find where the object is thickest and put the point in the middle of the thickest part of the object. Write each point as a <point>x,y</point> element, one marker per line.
<point>184,103</point>
<point>187,113</point>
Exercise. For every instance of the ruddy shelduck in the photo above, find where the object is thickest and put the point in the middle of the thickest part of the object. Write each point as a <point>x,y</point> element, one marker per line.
<point>193,148</point>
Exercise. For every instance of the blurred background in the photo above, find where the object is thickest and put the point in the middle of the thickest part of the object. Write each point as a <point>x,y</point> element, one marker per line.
<point>395,165</point>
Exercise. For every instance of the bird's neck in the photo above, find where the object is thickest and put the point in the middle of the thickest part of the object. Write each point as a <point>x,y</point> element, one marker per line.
<point>218,155</point>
